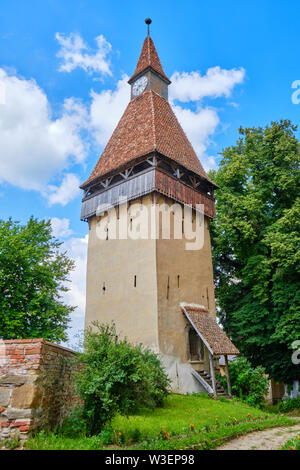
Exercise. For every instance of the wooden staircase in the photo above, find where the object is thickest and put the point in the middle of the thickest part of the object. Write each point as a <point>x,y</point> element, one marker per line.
<point>205,380</point>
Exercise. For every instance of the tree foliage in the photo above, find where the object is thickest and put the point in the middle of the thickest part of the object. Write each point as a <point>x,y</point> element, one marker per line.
<point>255,240</point>
<point>248,383</point>
<point>116,376</point>
<point>33,275</point>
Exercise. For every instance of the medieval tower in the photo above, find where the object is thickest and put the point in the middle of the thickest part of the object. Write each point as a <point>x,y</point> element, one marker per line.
<point>156,290</point>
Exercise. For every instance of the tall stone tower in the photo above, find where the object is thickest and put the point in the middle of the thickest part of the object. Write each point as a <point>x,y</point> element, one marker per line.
<point>155,290</point>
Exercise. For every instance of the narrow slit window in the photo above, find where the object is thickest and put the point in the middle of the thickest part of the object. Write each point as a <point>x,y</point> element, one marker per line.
<point>178,281</point>
<point>168,287</point>
<point>207,296</point>
<point>134,281</point>
<point>103,288</point>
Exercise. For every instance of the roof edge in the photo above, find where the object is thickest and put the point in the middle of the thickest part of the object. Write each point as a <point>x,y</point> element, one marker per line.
<point>196,329</point>
<point>146,69</point>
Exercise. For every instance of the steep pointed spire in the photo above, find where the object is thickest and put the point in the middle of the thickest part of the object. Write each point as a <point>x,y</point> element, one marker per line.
<point>149,60</point>
<point>147,125</point>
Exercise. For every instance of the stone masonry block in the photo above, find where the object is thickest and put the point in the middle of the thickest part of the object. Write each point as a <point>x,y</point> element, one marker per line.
<point>26,396</point>
<point>4,396</point>
<point>12,379</point>
<point>12,413</point>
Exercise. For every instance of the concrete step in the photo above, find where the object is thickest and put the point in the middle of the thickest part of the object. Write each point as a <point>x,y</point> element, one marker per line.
<point>206,376</point>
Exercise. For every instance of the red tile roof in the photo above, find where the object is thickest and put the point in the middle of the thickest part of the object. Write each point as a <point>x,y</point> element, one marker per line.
<point>149,58</point>
<point>148,124</point>
<point>208,329</point>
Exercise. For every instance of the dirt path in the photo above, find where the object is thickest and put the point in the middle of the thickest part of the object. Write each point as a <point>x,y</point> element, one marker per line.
<point>269,439</point>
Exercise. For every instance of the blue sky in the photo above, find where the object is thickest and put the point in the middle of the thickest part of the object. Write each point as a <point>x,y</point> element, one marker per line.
<point>232,64</point>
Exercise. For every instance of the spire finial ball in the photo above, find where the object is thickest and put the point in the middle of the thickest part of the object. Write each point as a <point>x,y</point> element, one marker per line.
<point>148,21</point>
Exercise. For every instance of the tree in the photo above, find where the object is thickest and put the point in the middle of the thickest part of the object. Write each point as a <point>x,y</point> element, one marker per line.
<point>255,240</point>
<point>33,275</point>
<point>116,377</point>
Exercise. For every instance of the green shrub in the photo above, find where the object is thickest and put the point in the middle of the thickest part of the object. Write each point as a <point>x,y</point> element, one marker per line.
<point>12,443</point>
<point>106,436</point>
<point>74,425</point>
<point>117,377</point>
<point>136,435</point>
<point>289,405</point>
<point>248,383</point>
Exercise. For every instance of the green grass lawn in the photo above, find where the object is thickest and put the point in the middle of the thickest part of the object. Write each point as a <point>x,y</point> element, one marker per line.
<point>180,411</point>
<point>169,427</point>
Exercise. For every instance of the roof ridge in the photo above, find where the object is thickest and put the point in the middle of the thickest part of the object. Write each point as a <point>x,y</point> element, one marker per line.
<point>153,118</point>
<point>179,126</point>
<point>149,56</point>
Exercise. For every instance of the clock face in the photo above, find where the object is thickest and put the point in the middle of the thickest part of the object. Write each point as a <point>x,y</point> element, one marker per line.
<point>139,86</point>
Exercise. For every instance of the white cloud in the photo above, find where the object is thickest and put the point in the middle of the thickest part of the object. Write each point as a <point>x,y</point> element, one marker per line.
<point>76,249</point>
<point>210,163</point>
<point>61,227</point>
<point>215,83</point>
<point>66,192</point>
<point>73,54</point>
<point>198,126</point>
<point>107,108</point>
<point>34,146</point>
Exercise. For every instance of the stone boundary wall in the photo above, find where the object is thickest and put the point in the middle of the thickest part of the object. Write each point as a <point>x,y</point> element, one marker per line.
<point>36,390</point>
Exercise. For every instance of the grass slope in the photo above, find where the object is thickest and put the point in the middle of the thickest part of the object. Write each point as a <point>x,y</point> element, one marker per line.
<point>212,422</point>
<point>180,411</point>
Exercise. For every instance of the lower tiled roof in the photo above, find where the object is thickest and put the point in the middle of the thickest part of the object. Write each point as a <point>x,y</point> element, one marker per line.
<point>209,331</point>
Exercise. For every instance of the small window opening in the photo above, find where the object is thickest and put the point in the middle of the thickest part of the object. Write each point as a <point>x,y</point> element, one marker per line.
<point>196,346</point>
<point>107,233</point>
<point>134,282</point>
<point>103,288</point>
<point>178,281</point>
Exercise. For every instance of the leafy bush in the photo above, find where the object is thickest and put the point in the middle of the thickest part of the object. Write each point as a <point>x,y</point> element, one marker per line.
<point>136,435</point>
<point>117,377</point>
<point>12,443</point>
<point>289,405</point>
<point>107,436</point>
<point>74,425</point>
<point>248,383</point>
